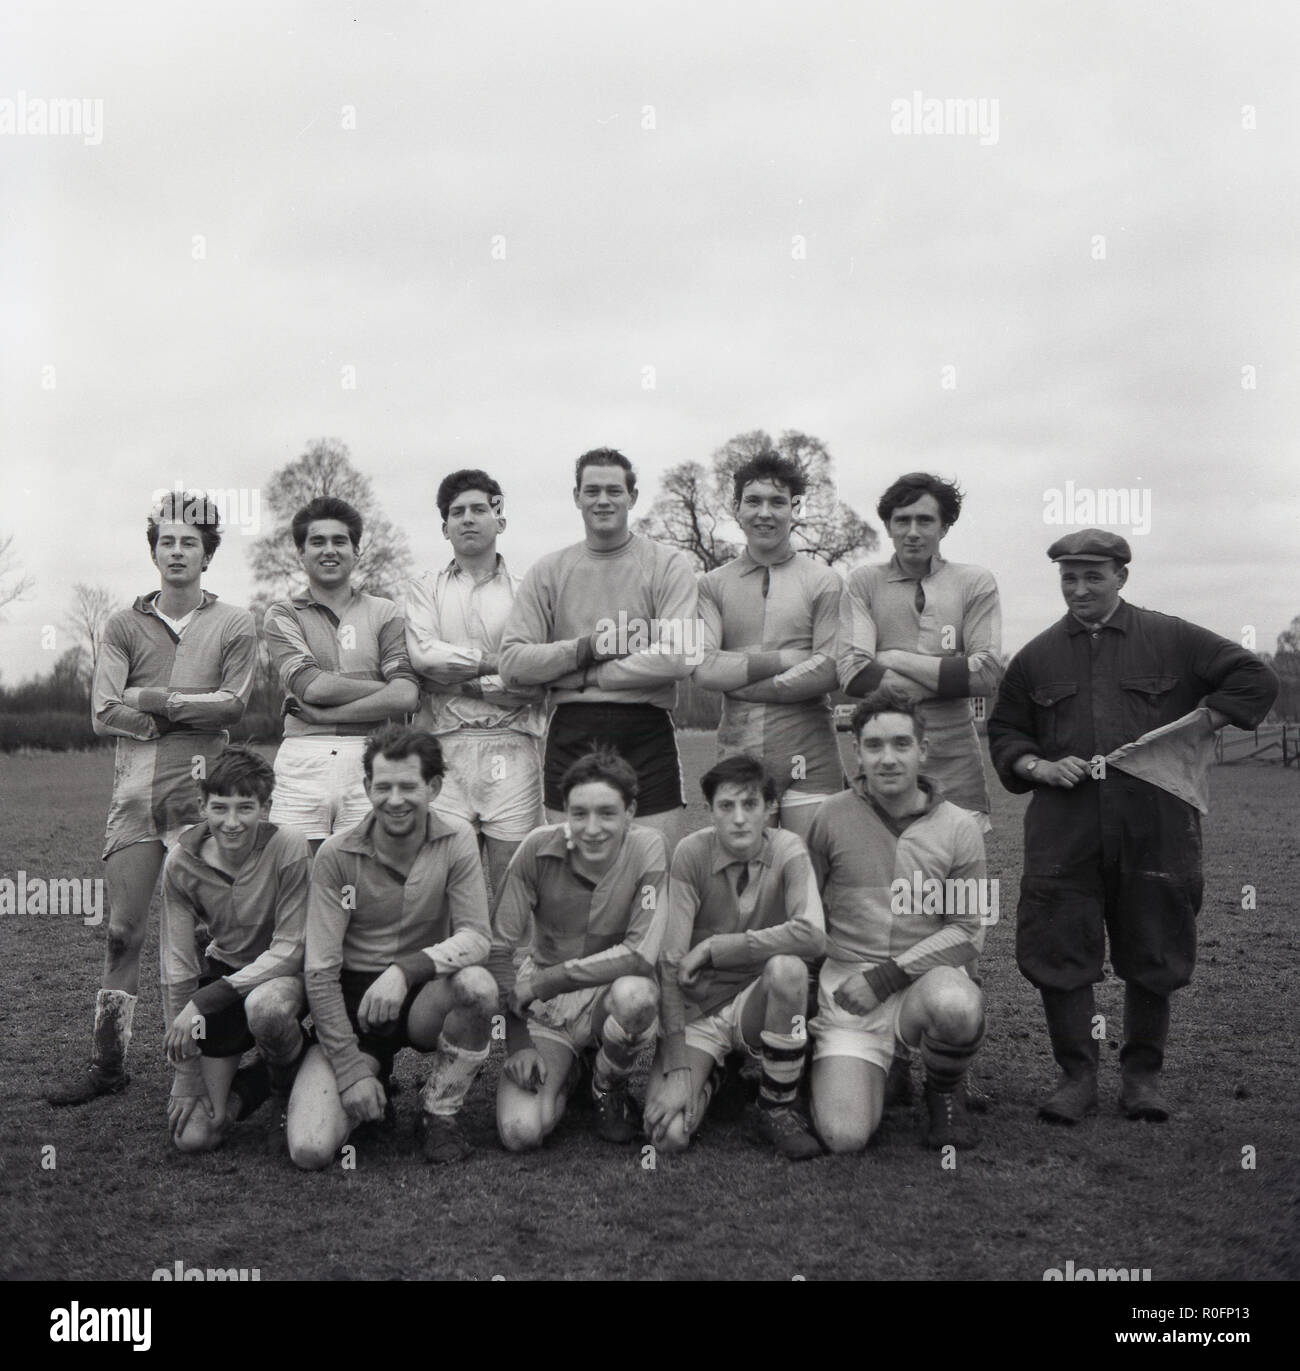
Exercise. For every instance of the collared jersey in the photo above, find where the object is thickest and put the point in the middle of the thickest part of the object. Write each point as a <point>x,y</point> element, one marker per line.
<point>256,920</point>
<point>190,689</point>
<point>581,934</point>
<point>366,643</point>
<point>866,859</point>
<point>646,588</point>
<point>779,912</point>
<point>960,622</point>
<point>364,916</point>
<point>785,720</point>
<point>452,622</point>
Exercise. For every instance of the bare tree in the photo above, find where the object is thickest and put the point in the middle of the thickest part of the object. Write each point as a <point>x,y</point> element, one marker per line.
<point>694,504</point>
<point>13,585</point>
<point>325,468</point>
<point>92,608</point>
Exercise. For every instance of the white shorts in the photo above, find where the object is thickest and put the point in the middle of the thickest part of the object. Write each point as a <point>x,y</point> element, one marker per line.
<point>319,785</point>
<point>868,1037</point>
<point>719,1033</point>
<point>493,781</point>
<point>566,1018</point>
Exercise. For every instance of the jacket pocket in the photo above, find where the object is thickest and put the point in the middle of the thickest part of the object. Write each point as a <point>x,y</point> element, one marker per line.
<point>1054,716</point>
<point>1148,702</point>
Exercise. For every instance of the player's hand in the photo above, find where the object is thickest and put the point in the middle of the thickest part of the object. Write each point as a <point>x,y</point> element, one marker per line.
<point>856,995</point>
<point>904,685</point>
<point>364,1100</point>
<point>180,1108</point>
<point>491,664</point>
<point>382,1003</point>
<point>180,1043</point>
<point>1217,719</point>
<point>526,1069</point>
<point>520,997</point>
<point>1065,774</point>
<point>694,964</point>
<point>597,654</point>
<point>663,1106</point>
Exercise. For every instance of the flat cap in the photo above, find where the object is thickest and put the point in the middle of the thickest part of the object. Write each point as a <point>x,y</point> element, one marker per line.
<point>1091,545</point>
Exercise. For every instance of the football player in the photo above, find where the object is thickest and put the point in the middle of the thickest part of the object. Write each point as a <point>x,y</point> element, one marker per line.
<point>341,658</point>
<point>894,970</point>
<point>592,891</point>
<point>743,915</point>
<point>397,929</point>
<point>173,672</point>
<point>608,626</point>
<point>490,736</point>
<point>245,880</point>
<point>770,620</point>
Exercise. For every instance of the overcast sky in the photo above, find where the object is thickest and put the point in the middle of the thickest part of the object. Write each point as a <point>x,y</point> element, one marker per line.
<point>538,203</point>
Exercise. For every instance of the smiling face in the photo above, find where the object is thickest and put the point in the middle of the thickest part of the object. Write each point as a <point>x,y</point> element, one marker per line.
<point>740,815</point>
<point>233,821</point>
<point>399,794</point>
<point>765,513</point>
<point>604,501</point>
<point>890,756</point>
<point>473,522</point>
<point>179,556</point>
<point>598,821</point>
<point>327,555</point>
<point>1091,589</point>
<point>917,530</point>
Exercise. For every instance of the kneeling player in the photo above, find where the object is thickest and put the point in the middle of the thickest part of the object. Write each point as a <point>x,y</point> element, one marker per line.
<point>246,880</point>
<point>894,972</point>
<point>593,889</point>
<point>743,913</point>
<point>397,924</point>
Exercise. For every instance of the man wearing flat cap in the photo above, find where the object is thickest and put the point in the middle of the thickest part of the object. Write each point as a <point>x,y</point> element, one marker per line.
<point>1108,718</point>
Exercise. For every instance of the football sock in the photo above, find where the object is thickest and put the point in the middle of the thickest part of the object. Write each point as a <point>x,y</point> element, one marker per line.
<point>783,1060</point>
<point>454,1070</point>
<point>114,1011</point>
<point>945,1062</point>
<point>618,1053</point>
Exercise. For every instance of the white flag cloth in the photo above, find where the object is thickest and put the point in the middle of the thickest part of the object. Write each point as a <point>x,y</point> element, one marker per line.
<point>1176,757</point>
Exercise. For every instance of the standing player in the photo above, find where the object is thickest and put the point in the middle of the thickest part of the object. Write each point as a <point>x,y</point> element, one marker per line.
<point>397,924</point>
<point>592,892</point>
<point>770,619</point>
<point>173,672</point>
<point>893,971</point>
<point>341,657</point>
<point>930,628</point>
<point>1108,851</point>
<point>607,625</point>
<point>246,881</point>
<point>743,914</point>
<point>454,621</point>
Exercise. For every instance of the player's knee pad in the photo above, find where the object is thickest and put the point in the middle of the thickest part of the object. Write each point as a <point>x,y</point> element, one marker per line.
<point>475,989</point>
<point>634,1003</point>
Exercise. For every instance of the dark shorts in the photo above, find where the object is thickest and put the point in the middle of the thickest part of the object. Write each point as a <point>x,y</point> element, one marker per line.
<point>225,1033</point>
<point>1142,886</point>
<point>643,735</point>
<point>381,1043</point>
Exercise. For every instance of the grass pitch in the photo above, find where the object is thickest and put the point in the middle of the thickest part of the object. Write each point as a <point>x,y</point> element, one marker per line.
<point>97,1192</point>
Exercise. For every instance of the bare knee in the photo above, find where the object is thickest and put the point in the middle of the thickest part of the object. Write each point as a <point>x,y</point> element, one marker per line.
<point>521,1131</point>
<point>309,1154</point>
<point>271,1006</point>
<point>786,979</point>
<point>634,1003</point>
<point>474,989</point>
<point>956,1009</point>
<point>841,1134</point>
